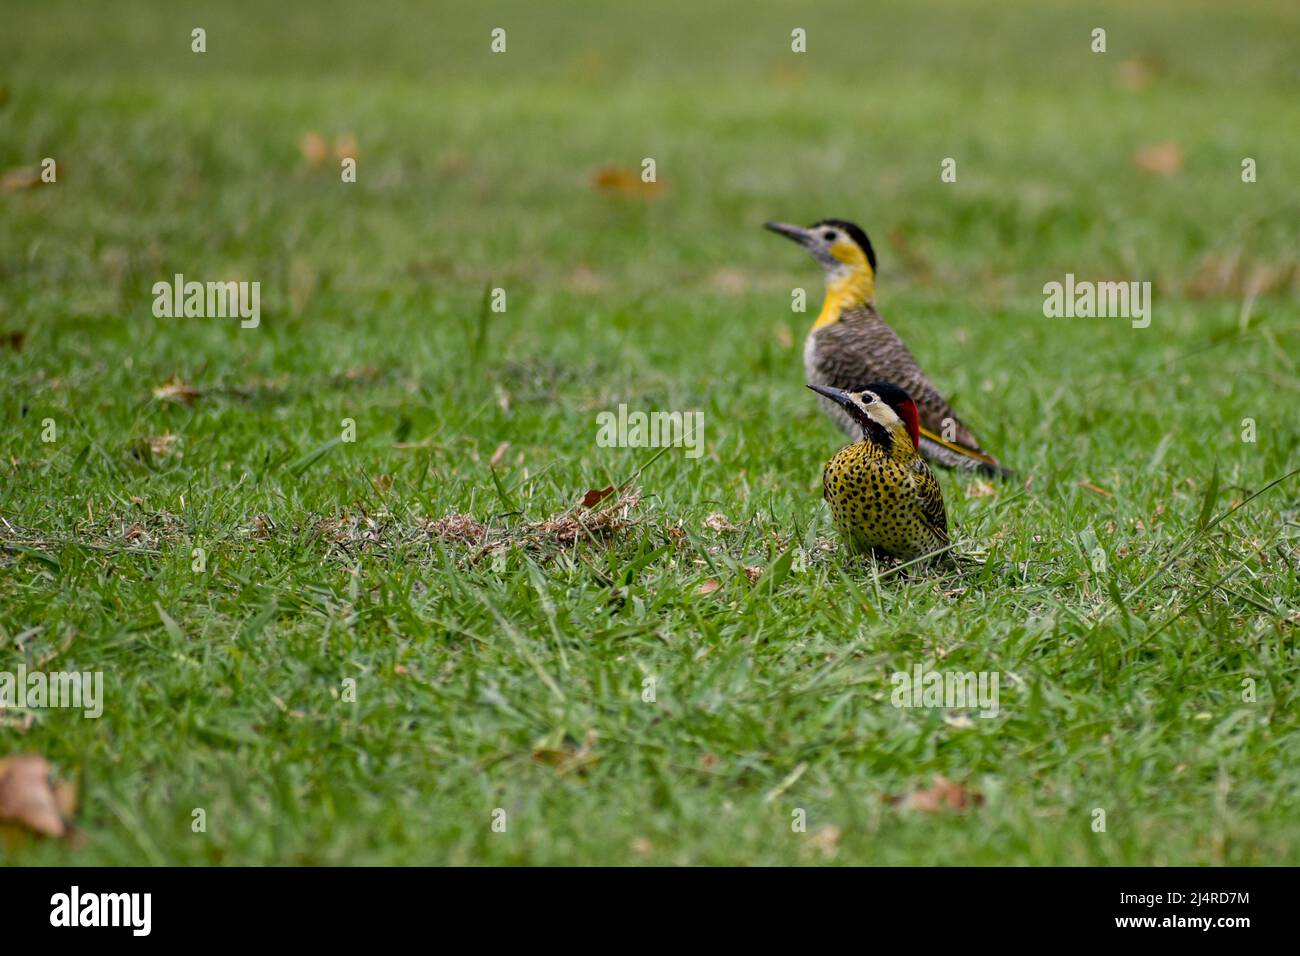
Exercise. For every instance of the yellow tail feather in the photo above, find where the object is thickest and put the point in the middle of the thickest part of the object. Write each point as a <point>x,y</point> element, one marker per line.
<point>959,449</point>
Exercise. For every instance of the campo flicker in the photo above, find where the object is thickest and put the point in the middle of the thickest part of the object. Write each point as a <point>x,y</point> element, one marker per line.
<point>849,344</point>
<point>883,497</point>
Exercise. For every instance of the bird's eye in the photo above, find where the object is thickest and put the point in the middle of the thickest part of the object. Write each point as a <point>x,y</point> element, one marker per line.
<point>828,236</point>
<point>868,398</point>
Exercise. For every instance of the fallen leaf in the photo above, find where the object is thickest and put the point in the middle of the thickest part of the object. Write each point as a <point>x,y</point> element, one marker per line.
<point>1233,276</point>
<point>177,390</point>
<point>567,758</point>
<point>314,148</point>
<point>708,587</point>
<point>361,373</point>
<point>457,528</point>
<point>825,839</point>
<point>981,489</point>
<point>161,445</point>
<point>453,163</point>
<point>1162,159</point>
<point>596,495</point>
<point>619,181</point>
<point>717,521</point>
<point>585,279</point>
<point>29,799</point>
<point>1136,73</point>
<point>19,178</point>
<point>943,794</point>
<point>1096,489</point>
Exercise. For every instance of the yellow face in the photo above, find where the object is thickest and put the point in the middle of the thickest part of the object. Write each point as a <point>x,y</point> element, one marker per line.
<point>847,252</point>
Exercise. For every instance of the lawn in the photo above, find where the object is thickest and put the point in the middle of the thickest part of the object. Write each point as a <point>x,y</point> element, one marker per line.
<point>356,675</point>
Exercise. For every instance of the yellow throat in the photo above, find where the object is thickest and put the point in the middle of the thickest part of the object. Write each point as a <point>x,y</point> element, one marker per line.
<point>852,284</point>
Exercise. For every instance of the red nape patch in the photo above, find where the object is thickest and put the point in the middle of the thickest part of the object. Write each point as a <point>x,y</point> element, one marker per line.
<point>912,419</point>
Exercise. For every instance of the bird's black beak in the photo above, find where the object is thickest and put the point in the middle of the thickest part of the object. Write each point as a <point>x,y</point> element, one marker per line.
<point>797,233</point>
<point>835,395</point>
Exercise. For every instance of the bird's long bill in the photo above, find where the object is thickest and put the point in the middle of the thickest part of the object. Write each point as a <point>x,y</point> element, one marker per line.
<point>835,395</point>
<point>798,233</point>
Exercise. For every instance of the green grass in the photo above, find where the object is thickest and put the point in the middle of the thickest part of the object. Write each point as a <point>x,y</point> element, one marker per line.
<point>1122,680</point>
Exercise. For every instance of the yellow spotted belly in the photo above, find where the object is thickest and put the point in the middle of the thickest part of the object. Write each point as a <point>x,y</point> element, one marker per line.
<point>873,503</point>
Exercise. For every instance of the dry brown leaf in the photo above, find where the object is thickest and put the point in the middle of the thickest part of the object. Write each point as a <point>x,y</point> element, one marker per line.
<point>1232,276</point>
<point>981,489</point>
<point>570,527</point>
<point>708,587</point>
<point>20,178</point>
<point>457,528</point>
<point>361,373</point>
<point>567,758</point>
<point>1136,74</point>
<point>315,150</point>
<point>943,794</point>
<point>499,455</point>
<point>585,279</point>
<point>161,445</point>
<point>1096,489</point>
<point>826,840</point>
<point>596,495</point>
<point>719,522</point>
<point>620,181</point>
<point>785,74</point>
<point>1161,159</point>
<point>453,163</point>
<point>29,799</point>
<point>177,389</point>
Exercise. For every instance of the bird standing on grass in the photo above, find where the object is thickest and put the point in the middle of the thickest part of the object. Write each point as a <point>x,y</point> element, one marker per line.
<point>883,497</point>
<point>850,344</point>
